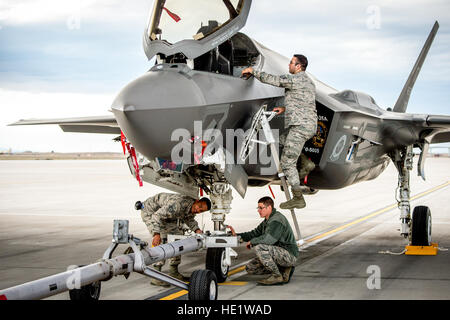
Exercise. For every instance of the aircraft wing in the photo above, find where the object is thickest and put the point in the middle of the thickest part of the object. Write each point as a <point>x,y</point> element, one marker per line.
<point>98,124</point>
<point>441,128</point>
<point>441,137</point>
<point>404,129</point>
<point>401,130</point>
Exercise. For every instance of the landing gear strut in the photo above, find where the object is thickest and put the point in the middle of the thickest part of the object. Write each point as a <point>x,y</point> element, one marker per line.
<point>218,259</point>
<point>418,228</point>
<point>221,205</point>
<point>403,161</point>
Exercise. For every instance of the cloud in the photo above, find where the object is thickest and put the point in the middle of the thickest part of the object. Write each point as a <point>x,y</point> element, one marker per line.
<point>95,58</point>
<point>60,62</point>
<point>40,11</point>
<point>13,12</point>
<point>346,53</point>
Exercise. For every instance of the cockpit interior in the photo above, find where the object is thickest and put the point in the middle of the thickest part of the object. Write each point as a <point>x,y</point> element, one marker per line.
<point>229,58</point>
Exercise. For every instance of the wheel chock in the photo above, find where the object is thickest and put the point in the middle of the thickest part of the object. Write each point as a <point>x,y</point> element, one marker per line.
<point>431,250</point>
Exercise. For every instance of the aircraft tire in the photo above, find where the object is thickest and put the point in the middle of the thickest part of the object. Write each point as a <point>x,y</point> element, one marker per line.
<point>89,292</point>
<point>421,226</point>
<point>203,285</point>
<point>215,261</point>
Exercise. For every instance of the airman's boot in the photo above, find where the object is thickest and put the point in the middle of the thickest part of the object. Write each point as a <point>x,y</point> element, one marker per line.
<point>297,202</point>
<point>306,166</point>
<point>287,273</point>
<point>173,272</point>
<point>274,279</point>
<point>157,282</point>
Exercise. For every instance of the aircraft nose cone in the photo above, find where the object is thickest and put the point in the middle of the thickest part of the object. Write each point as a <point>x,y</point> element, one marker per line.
<point>170,87</point>
<point>152,107</point>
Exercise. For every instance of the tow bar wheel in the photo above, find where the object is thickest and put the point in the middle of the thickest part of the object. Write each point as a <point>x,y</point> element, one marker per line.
<point>203,285</point>
<point>89,292</point>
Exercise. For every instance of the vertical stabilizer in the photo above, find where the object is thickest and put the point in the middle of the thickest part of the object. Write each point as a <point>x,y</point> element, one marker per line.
<point>403,99</point>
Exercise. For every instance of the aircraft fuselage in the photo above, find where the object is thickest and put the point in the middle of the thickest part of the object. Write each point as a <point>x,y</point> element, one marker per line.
<point>173,96</point>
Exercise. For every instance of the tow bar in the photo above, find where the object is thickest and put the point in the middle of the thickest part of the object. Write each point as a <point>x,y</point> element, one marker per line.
<point>84,282</point>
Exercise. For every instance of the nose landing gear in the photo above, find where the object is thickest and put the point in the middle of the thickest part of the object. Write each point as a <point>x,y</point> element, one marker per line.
<point>218,255</point>
<point>216,262</point>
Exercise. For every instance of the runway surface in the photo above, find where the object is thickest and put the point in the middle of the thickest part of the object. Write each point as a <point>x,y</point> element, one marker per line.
<point>54,214</point>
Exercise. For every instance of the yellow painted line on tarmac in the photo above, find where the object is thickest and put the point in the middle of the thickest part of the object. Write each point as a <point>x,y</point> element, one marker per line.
<point>175,295</point>
<point>376,213</point>
<point>227,283</point>
<point>237,270</point>
<point>351,223</point>
<point>233,283</point>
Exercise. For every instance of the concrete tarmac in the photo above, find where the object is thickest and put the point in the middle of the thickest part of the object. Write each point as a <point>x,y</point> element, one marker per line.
<point>54,214</point>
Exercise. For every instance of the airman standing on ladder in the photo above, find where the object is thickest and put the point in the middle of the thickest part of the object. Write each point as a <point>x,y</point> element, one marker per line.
<point>300,121</point>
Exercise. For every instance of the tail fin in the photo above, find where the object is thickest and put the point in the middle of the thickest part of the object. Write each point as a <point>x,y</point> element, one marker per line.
<point>403,99</point>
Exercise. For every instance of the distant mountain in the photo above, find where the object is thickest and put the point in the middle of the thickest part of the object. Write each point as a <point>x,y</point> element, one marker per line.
<point>434,148</point>
<point>3,149</point>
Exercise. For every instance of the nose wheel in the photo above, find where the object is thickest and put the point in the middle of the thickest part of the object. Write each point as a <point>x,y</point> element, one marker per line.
<point>216,262</point>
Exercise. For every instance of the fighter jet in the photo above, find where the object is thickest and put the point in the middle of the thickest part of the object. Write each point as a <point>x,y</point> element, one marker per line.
<point>185,122</point>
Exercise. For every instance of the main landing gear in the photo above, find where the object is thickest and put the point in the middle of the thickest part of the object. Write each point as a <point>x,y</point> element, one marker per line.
<point>416,227</point>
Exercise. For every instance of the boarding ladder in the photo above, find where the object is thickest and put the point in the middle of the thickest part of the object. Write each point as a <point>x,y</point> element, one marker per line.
<point>261,121</point>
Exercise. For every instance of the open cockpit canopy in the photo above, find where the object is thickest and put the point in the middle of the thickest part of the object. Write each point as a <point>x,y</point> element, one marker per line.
<point>192,27</point>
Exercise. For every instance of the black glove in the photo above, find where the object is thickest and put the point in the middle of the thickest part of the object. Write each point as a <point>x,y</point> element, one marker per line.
<point>138,205</point>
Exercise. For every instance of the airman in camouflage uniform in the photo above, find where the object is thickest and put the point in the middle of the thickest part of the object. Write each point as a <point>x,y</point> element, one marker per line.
<point>167,213</point>
<point>274,245</point>
<point>300,121</point>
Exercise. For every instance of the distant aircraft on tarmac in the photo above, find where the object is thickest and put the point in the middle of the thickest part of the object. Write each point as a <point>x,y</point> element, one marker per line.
<point>186,121</point>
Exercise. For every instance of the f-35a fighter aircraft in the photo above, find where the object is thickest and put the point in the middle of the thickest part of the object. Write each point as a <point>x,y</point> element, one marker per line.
<point>186,122</point>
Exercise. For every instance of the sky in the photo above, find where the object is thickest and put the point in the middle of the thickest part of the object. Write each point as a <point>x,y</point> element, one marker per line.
<point>71,58</point>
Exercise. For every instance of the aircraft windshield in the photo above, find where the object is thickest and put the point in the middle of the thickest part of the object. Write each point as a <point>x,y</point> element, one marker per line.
<point>176,20</point>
